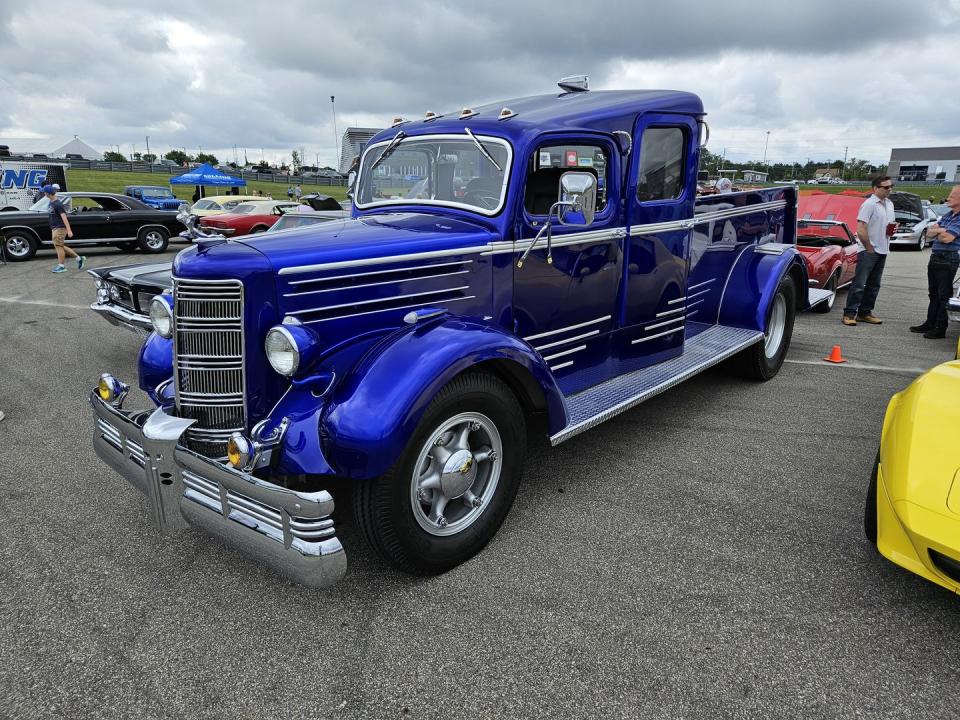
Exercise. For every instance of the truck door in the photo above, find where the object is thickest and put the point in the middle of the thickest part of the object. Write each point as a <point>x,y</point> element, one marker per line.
<point>660,194</point>
<point>566,310</point>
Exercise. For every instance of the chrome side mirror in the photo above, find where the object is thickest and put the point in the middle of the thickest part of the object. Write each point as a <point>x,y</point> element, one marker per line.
<point>578,198</point>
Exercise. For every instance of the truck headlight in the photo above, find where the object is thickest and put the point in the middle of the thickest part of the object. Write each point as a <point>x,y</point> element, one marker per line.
<point>161,315</point>
<point>282,350</point>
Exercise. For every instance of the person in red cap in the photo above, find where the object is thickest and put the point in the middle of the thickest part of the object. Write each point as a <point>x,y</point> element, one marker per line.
<point>60,229</point>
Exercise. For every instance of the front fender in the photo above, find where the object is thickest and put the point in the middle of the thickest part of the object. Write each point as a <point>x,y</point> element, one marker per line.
<point>753,282</point>
<point>154,364</point>
<point>373,412</point>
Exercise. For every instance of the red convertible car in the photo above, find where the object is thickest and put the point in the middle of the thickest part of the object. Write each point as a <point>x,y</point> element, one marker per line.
<point>826,243</point>
<point>247,218</point>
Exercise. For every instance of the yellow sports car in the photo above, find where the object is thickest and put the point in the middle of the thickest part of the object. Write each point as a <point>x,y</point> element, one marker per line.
<point>218,204</point>
<point>913,504</point>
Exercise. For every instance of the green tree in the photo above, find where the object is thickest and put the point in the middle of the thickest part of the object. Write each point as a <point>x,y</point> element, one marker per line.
<point>113,156</point>
<point>206,158</point>
<point>178,156</point>
<point>295,161</point>
<point>149,157</point>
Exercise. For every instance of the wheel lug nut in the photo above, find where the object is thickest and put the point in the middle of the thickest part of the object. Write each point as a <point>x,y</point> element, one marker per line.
<point>422,494</point>
<point>474,425</point>
<point>441,521</point>
<point>476,502</point>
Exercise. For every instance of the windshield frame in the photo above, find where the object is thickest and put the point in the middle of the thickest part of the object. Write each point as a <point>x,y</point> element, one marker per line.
<point>411,139</point>
<point>161,193</point>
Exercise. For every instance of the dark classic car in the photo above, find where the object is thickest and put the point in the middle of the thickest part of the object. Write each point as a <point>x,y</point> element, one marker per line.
<point>124,292</point>
<point>96,219</point>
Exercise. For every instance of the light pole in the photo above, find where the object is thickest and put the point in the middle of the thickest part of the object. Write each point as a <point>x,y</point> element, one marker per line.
<point>336,136</point>
<point>765,144</point>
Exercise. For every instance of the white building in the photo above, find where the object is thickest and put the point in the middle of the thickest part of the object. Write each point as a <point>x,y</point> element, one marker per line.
<point>925,164</point>
<point>354,140</point>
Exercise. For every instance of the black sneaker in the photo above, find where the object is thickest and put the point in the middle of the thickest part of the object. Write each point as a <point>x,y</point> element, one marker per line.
<point>921,328</point>
<point>935,334</point>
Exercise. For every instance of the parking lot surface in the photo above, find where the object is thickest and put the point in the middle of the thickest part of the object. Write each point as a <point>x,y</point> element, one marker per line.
<point>699,556</point>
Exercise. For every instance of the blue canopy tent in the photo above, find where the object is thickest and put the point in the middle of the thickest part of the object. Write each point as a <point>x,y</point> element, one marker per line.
<point>205,175</point>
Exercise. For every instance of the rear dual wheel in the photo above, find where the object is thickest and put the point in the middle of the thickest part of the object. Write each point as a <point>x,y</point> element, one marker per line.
<point>453,485</point>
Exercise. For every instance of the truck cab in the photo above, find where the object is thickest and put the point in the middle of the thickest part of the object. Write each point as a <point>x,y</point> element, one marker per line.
<point>541,261</point>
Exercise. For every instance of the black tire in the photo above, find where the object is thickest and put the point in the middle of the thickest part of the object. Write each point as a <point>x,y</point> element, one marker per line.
<point>128,246</point>
<point>391,513</point>
<point>153,240</point>
<point>827,305</point>
<point>19,246</point>
<point>762,360</point>
<point>870,509</point>
<point>922,242</point>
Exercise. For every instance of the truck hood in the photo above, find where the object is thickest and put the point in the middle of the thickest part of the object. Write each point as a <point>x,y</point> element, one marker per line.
<point>365,238</point>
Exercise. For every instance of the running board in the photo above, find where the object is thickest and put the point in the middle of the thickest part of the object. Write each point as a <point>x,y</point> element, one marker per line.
<point>592,406</point>
<point>816,296</point>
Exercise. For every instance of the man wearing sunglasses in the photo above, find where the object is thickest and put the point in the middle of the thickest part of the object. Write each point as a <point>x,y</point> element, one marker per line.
<point>876,222</point>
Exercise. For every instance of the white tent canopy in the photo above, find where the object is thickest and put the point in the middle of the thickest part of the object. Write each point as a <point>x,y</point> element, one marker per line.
<point>77,147</point>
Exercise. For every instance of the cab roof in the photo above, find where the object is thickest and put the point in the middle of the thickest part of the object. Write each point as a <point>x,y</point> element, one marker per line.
<point>559,111</point>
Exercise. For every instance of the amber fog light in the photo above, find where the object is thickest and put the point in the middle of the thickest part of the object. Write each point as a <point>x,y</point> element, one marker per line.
<point>111,390</point>
<point>238,451</point>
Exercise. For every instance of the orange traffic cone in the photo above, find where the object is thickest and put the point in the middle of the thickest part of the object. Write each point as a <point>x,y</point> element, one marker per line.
<point>835,355</point>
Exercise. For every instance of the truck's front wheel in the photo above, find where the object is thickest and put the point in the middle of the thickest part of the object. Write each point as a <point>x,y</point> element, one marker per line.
<point>762,360</point>
<point>454,484</point>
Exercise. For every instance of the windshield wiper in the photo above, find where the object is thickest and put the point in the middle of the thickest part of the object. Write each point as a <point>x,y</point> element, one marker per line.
<point>388,151</point>
<point>482,149</point>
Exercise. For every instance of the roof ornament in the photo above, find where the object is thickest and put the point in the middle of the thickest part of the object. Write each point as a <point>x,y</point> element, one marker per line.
<point>575,83</point>
<point>398,121</point>
<point>430,115</point>
<point>467,113</point>
<point>506,113</point>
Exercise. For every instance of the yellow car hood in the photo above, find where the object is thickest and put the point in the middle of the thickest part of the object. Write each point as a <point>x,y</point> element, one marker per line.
<point>920,450</point>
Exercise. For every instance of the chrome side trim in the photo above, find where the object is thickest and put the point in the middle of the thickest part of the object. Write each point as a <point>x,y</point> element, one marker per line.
<point>380,272</point>
<point>344,288</point>
<point>561,366</point>
<point>664,323</point>
<point>445,301</point>
<point>362,262</point>
<point>701,284</point>
<point>548,358</point>
<point>669,312</point>
<point>677,300</point>
<point>295,313</point>
<point>565,329</point>
<point>698,294</point>
<point>654,337</point>
<point>538,348</point>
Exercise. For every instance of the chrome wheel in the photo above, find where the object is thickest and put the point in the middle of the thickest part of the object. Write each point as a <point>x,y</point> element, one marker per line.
<point>154,239</point>
<point>456,474</point>
<point>18,247</point>
<point>833,292</point>
<point>775,326</point>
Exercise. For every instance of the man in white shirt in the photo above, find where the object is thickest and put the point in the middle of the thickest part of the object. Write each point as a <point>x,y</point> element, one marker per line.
<point>876,222</point>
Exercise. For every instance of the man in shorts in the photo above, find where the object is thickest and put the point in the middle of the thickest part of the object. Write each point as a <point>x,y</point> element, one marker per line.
<point>60,230</point>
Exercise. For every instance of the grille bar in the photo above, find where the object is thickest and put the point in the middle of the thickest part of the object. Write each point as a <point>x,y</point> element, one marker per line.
<point>208,361</point>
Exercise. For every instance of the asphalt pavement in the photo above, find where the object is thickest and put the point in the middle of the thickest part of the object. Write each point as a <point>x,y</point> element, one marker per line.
<point>700,556</point>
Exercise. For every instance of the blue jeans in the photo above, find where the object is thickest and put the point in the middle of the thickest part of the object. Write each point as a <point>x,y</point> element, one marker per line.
<point>940,273</point>
<point>866,284</point>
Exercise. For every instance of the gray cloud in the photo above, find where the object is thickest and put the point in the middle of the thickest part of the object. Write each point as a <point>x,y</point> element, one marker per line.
<point>208,75</point>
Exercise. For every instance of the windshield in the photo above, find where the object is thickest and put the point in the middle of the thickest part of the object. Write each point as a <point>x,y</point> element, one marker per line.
<point>293,220</point>
<point>812,234</point>
<point>157,193</point>
<point>206,205</point>
<point>43,203</point>
<point>437,170</point>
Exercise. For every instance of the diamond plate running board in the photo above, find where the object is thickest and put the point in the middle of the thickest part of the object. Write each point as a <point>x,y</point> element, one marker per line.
<point>594,405</point>
<point>816,296</point>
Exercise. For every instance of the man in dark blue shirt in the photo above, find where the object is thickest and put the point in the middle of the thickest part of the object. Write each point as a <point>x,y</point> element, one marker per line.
<point>60,229</point>
<point>942,268</point>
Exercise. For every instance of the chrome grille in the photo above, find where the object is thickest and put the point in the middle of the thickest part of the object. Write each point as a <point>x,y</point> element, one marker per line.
<point>208,361</point>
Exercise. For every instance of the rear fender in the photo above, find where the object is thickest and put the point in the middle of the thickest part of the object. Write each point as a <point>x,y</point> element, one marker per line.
<point>372,413</point>
<point>753,282</point>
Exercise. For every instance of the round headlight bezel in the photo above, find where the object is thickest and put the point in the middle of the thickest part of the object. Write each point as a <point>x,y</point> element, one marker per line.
<point>161,316</point>
<point>278,334</point>
<point>239,451</point>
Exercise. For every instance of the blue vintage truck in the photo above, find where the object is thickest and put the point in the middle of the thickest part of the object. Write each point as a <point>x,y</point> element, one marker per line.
<point>551,267</point>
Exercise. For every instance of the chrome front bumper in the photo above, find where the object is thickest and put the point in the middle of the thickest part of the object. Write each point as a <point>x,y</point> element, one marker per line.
<point>290,531</point>
<point>121,317</point>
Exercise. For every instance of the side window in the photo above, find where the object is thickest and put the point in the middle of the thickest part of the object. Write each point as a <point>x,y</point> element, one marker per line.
<point>550,162</point>
<point>661,164</point>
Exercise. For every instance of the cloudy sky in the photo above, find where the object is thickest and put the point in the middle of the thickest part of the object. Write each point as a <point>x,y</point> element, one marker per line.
<point>819,75</point>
